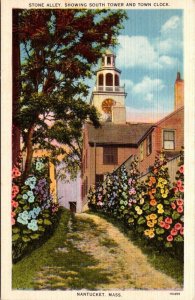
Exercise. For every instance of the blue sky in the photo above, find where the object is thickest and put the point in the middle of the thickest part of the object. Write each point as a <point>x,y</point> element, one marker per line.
<point>150,53</point>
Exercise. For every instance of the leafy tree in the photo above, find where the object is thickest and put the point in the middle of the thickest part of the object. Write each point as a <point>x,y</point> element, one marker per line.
<point>59,49</point>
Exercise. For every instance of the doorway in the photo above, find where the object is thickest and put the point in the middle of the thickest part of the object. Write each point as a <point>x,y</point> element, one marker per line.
<point>73,206</point>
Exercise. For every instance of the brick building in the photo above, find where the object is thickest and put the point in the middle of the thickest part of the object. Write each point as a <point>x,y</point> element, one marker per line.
<point>117,141</point>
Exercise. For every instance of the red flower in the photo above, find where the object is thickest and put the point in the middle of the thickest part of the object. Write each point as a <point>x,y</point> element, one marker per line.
<point>178,226</point>
<point>15,172</point>
<point>15,191</point>
<point>167,226</point>
<point>168,220</point>
<point>14,204</point>
<point>181,169</point>
<point>13,214</point>
<point>173,205</point>
<point>179,202</point>
<point>174,232</point>
<point>169,238</point>
<point>182,231</point>
<point>179,183</point>
<point>176,189</point>
<point>181,189</point>
<point>180,209</point>
<point>162,224</point>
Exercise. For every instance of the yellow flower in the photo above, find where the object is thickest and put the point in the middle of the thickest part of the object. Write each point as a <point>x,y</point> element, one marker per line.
<point>139,212</point>
<point>159,206</point>
<point>150,224</point>
<point>137,208</point>
<point>164,195</point>
<point>160,211</point>
<point>141,201</point>
<point>147,231</point>
<point>160,180</point>
<point>148,218</point>
<point>153,216</point>
<point>162,191</point>
<point>151,235</point>
<point>164,181</point>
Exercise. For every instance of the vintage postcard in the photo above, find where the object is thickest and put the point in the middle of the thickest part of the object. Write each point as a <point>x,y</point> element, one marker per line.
<point>98,150</point>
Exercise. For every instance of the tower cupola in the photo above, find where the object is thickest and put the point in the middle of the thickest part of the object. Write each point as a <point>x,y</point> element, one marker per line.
<point>108,95</point>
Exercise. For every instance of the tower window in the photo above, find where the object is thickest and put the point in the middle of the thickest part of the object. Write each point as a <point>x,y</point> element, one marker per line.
<point>110,155</point>
<point>101,79</point>
<point>108,60</point>
<point>109,79</point>
<point>116,80</point>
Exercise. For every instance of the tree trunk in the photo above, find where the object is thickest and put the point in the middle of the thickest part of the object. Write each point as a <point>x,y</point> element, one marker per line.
<point>29,150</point>
<point>15,88</point>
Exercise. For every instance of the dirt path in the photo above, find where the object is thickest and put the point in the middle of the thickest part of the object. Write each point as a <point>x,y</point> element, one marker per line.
<point>116,259</point>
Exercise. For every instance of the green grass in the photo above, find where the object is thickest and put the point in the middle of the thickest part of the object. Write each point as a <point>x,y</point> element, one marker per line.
<point>66,268</point>
<point>161,260</point>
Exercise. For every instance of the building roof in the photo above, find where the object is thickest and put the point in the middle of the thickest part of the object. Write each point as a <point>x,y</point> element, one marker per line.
<point>117,134</point>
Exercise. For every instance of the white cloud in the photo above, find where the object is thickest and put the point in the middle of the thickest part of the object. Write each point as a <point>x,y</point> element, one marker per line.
<point>138,51</point>
<point>135,51</point>
<point>148,87</point>
<point>167,61</point>
<point>172,24</point>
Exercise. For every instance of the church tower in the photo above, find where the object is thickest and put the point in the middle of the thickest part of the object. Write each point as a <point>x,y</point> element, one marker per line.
<point>108,96</point>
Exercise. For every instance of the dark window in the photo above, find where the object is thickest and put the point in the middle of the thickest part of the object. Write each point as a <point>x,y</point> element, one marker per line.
<point>169,139</point>
<point>116,80</point>
<point>103,61</point>
<point>109,79</point>
<point>100,79</point>
<point>110,155</point>
<point>149,144</point>
<point>99,179</point>
<point>108,60</point>
<point>141,151</point>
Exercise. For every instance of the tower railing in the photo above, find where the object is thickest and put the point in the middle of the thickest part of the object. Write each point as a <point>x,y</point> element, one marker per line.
<point>109,89</point>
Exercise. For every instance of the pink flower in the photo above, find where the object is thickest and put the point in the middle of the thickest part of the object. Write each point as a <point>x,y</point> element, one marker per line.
<point>169,238</point>
<point>179,183</point>
<point>13,221</point>
<point>179,202</point>
<point>162,224</point>
<point>181,169</point>
<point>180,209</point>
<point>173,205</point>
<point>167,226</point>
<point>178,226</point>
<point>182,231</point>
<point>168,220</point>
<point>129,181</point>
<point>174,232</point>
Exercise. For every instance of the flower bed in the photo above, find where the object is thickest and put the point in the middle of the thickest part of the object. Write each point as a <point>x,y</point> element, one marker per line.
<point>33,211</point>
<point>153,209</point>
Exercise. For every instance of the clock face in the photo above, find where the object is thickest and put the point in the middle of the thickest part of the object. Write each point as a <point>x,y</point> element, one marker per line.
<point>106,105</point>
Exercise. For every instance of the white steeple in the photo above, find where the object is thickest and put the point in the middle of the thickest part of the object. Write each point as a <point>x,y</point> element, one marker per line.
<point>108,96</point>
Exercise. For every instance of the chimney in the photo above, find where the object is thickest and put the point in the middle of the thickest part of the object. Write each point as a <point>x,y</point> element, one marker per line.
<point>179,92</point>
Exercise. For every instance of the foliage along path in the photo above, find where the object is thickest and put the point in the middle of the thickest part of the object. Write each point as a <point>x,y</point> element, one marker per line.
<point>96,255</point>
